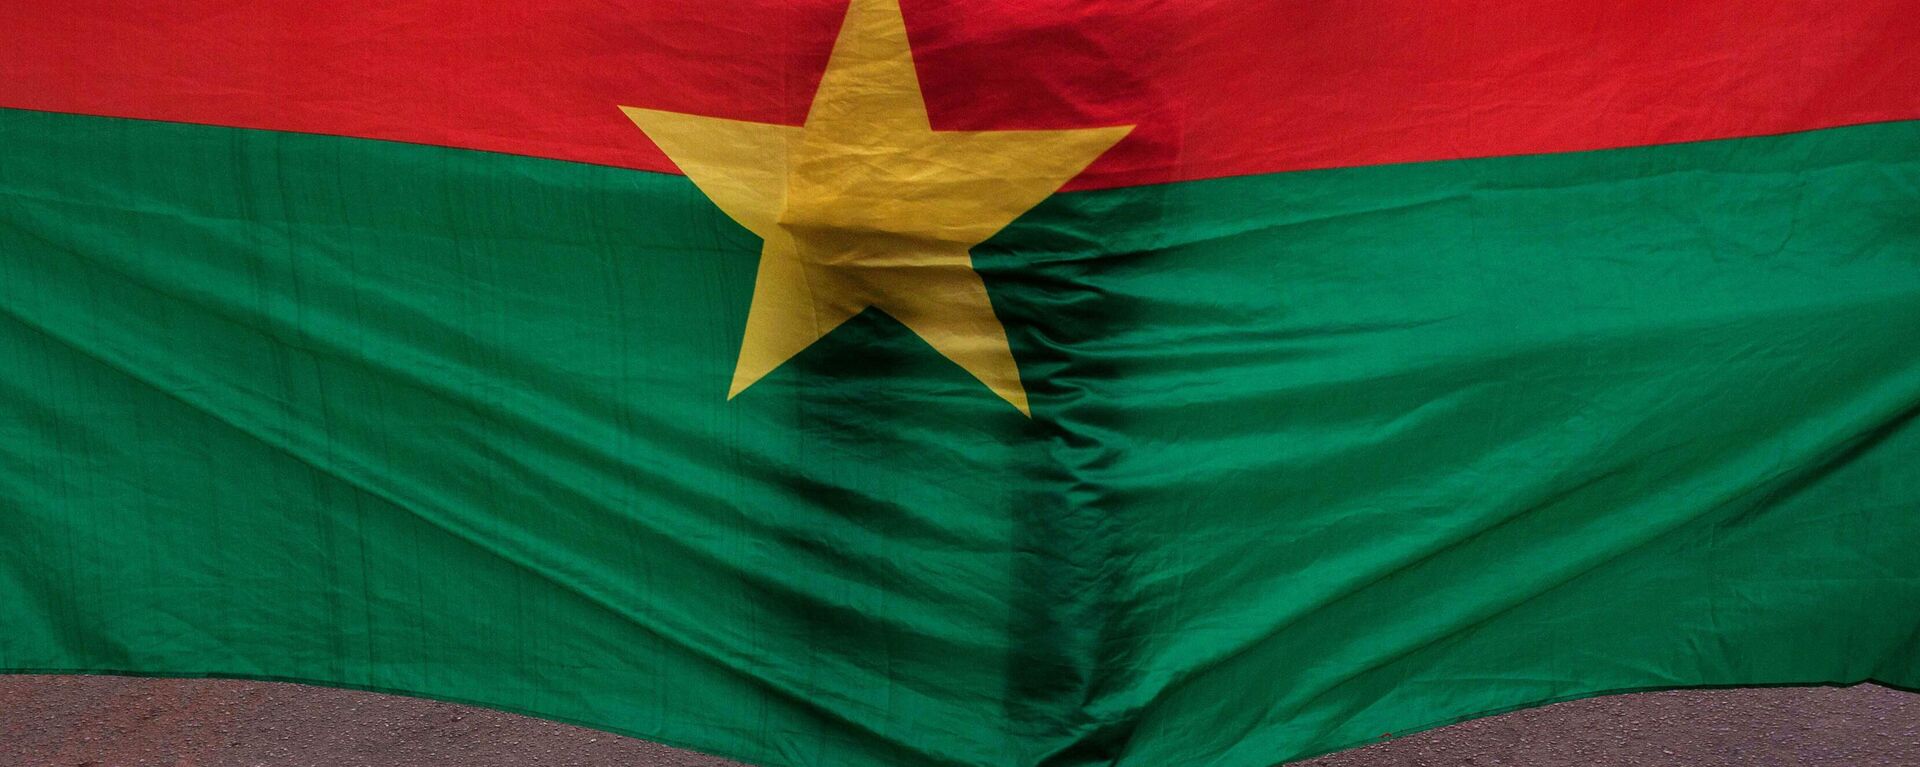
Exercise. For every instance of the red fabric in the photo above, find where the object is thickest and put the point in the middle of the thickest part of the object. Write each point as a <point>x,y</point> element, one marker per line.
<point>1216,87</point>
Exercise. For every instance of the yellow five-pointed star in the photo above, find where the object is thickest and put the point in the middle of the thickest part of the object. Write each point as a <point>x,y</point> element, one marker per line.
<point>866,205</point>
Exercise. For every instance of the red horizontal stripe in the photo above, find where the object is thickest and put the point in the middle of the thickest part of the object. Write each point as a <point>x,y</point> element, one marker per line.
<point>1216,87</point>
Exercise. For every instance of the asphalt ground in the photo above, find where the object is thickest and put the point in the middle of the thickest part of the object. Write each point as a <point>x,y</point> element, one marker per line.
<point>50,721</point>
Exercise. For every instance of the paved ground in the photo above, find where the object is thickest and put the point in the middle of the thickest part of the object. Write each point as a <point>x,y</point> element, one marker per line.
<point>115,722</point>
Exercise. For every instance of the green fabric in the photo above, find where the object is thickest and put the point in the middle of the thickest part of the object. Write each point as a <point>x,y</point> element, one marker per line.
<point>1314,457</point>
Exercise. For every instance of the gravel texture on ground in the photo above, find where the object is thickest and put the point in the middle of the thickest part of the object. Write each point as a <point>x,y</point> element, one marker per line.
<point>48,721</point>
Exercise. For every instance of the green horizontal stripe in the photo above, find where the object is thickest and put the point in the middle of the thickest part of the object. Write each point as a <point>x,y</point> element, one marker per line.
<point>1314,456</point>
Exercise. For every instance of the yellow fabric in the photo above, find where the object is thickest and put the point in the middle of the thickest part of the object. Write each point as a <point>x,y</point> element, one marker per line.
<point>867,206</point>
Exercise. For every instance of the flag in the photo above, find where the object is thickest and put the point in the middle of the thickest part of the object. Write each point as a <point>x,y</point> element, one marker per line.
<point>901,382</point>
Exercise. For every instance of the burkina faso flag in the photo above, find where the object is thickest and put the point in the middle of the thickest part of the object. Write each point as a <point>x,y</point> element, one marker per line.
<point>919,382</point>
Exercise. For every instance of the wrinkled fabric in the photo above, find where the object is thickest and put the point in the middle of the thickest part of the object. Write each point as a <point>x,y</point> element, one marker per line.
<point>1215,88</point>
<point>1313,457</point>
